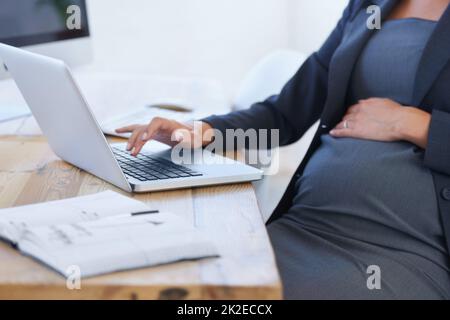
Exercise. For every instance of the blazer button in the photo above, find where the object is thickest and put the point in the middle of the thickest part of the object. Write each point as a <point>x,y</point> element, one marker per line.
<point>446,194</point>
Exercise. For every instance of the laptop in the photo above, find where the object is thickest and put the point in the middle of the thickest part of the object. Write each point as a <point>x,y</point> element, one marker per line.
<point>75,136</point>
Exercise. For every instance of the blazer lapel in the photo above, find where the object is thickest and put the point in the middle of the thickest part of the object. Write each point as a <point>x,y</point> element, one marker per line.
<point>435,56</point>
<point>343,62</point>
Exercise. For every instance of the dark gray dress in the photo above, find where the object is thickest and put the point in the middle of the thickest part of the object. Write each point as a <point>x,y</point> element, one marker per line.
<point>362,203</point>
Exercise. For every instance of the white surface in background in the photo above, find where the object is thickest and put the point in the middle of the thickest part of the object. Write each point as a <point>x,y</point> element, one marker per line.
<point>112,94</point>
<point>268,77</point>
<point>11,112</point>
<point>207,38</point>
<point>311,22</point>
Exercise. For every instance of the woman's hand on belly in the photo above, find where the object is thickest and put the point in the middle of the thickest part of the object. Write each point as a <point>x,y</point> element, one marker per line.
<point>384,120</point>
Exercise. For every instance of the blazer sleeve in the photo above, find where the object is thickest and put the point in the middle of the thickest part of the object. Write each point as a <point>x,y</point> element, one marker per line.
<point>437,153</point>
<point>301,101</point>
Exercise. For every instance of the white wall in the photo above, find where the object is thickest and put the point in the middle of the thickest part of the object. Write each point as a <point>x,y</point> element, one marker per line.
<point>212,38</point>
<point>311,21</point>
<point>221,39</point>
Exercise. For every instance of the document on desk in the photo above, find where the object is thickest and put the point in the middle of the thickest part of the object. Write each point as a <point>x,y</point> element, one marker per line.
<point>101,233</point>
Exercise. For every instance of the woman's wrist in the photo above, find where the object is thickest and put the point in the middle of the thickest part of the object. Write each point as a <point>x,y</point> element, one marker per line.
<point>207,133</point>
<point>414,126</point>
<point>202,130</point>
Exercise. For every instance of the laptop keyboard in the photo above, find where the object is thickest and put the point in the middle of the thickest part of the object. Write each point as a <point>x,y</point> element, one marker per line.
<point>145,167</point>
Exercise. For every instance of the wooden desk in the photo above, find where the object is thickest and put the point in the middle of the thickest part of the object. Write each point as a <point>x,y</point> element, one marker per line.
<point>31,173</point>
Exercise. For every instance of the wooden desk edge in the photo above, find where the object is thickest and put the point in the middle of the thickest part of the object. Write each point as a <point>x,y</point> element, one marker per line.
<point>118,292</point>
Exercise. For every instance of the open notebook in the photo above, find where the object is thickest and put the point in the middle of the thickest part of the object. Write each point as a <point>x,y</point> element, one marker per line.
<point>99,234</point>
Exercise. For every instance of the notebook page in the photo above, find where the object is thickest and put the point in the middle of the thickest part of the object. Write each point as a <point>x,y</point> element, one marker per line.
<point>14,221</point>
<point>114,244</point>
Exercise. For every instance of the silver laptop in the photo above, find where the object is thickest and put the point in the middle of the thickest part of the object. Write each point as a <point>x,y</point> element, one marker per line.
<point>75,136</point>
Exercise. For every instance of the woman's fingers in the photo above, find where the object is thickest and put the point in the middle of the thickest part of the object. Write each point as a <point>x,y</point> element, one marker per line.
<point>350,117</point>
<point>356,108</point>
<point>133,139</point>
<point>152,129</point>
<point>184,137</point>
<point>340,125</point>
<point>341,130</point>
<point>341,133</point>
<point>139,143</point>
<point>345,124</point>
<point>146,134</point>
<point>164,130</point>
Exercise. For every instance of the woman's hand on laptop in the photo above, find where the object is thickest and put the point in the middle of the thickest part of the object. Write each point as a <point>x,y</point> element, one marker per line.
<point>190,135</point>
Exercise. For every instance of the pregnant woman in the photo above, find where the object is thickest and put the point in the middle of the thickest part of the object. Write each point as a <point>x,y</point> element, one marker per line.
<point>373,192</point>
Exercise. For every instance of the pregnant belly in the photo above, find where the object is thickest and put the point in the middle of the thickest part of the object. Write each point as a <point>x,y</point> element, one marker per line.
<point>374,180</point>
